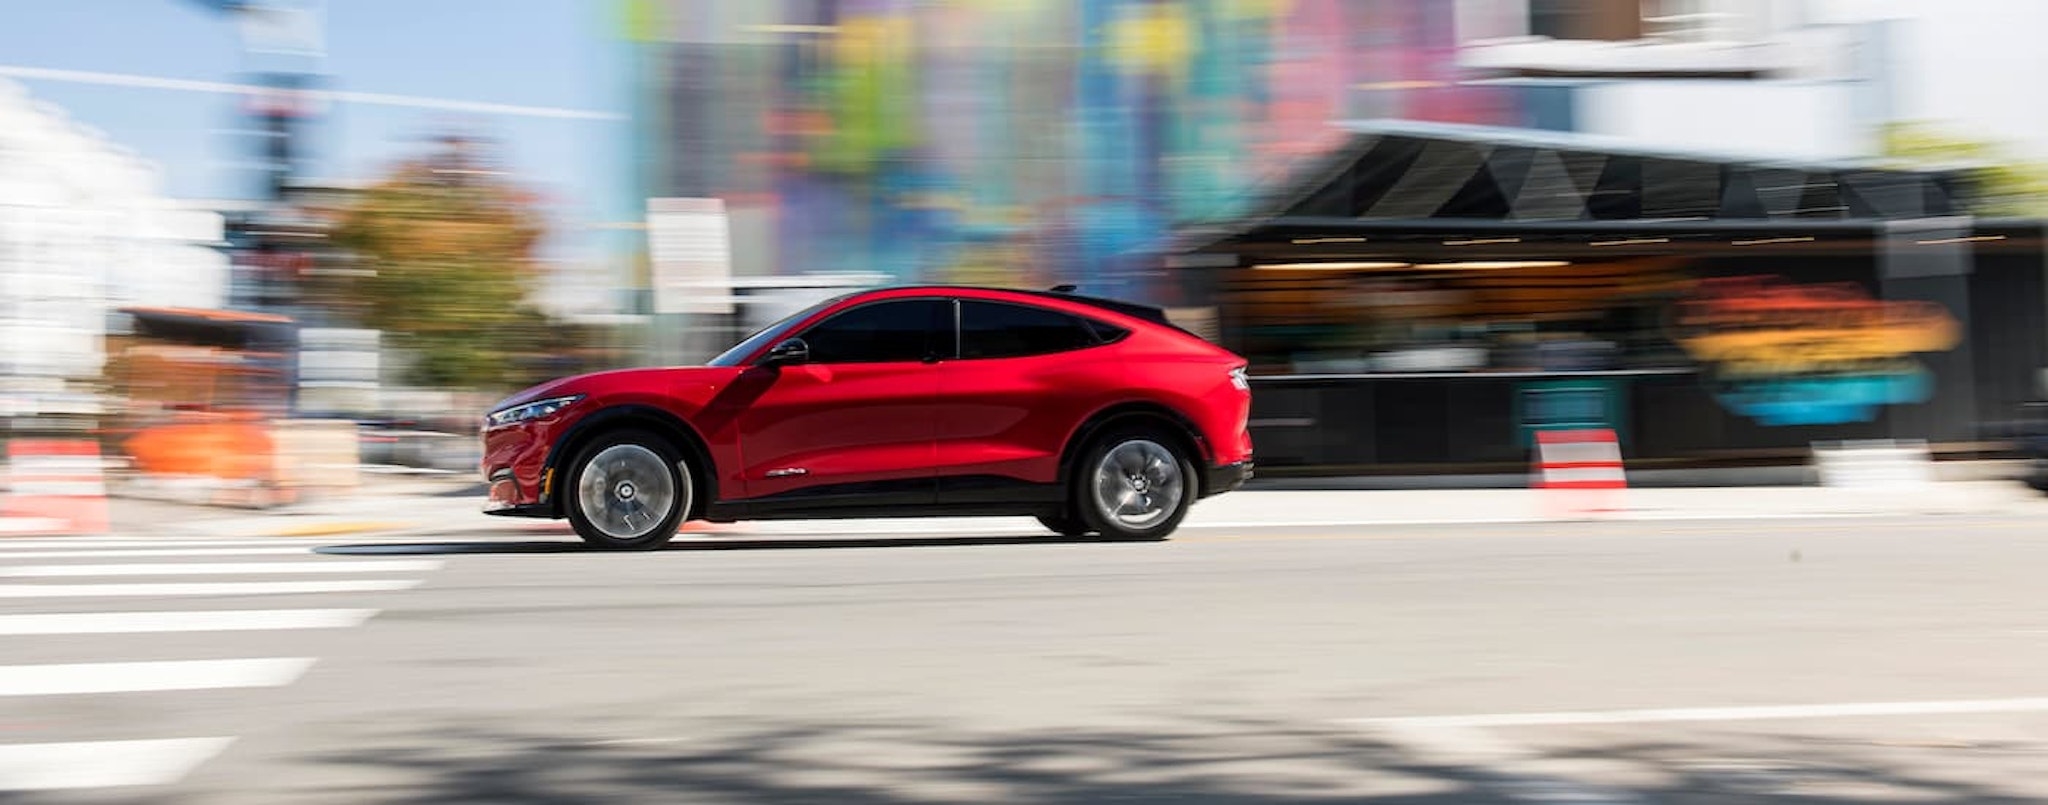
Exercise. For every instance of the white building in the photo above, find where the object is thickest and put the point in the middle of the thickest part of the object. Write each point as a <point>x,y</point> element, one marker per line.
<point>1759,79</point>
<point>1973,67</point>
<point>84,230</point>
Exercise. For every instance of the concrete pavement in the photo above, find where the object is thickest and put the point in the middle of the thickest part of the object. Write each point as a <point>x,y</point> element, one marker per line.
<point>1843,660</point>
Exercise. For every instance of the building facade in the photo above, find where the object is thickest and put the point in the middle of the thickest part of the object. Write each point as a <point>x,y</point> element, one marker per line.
<point>84,231</point>
<point>1021,142</point>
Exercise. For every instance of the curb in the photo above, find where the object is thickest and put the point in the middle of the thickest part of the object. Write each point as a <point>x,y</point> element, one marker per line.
<point>33,527</point>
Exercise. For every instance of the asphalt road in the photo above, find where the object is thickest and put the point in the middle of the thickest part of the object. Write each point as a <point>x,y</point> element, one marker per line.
<point>1814,660</point>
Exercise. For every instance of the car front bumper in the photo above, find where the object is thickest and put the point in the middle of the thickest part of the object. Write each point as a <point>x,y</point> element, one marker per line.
<point>508,498</point>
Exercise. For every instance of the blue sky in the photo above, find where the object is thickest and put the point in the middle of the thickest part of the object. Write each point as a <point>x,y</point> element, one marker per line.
<point>541,53</point>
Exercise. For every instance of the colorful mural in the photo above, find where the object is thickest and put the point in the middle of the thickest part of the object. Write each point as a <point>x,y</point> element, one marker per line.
<point>1015,140</point>
<point>1819,354</point>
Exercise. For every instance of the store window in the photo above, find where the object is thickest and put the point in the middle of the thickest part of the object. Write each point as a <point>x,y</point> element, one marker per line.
<point>1531,316</point>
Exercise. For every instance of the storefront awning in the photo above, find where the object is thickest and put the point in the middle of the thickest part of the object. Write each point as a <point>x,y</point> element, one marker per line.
<point>236,329</point>
<point>1423,178</point>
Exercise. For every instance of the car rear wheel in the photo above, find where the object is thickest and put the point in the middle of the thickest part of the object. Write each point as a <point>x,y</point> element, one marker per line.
<point>627,491</point>
<point>1135,484</point>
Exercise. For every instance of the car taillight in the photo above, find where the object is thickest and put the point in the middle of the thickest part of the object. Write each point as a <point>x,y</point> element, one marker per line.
<point>1238,378</point>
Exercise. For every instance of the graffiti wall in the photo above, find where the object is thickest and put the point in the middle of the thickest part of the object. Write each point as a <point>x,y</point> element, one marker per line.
<point>1014,140</point>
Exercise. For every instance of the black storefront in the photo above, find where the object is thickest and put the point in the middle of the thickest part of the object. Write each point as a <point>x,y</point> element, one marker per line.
<point>1428,297</point>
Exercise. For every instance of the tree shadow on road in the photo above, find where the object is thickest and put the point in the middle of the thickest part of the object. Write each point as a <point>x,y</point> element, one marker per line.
<point>1207,763</point>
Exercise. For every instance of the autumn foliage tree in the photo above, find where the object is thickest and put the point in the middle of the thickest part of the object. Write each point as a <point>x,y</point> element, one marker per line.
<point>448,245</point>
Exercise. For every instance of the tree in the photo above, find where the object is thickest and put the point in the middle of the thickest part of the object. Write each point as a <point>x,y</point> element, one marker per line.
<point>449,248</point>
<point>2006,185</point>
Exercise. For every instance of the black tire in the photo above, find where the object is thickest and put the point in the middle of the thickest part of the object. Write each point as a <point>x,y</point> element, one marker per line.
<point>1124,508</point>
<point>1064,525</point>
<point>643,495</point>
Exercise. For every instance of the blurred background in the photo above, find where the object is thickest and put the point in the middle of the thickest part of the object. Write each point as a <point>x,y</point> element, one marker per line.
<point>254,249</point>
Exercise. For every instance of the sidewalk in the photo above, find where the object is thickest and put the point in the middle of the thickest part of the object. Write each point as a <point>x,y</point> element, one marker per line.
<point>426,507</point>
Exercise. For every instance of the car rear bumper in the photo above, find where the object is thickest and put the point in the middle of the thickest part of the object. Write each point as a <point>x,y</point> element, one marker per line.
<point>1226,477</point>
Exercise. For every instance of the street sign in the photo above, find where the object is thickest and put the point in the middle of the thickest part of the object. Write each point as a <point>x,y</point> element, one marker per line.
<point>690,247</point>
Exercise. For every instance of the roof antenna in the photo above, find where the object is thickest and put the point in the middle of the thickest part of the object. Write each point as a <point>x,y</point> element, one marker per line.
<point>1064,288</point>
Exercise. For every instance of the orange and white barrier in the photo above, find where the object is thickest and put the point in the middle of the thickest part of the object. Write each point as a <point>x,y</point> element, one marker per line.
<point>57,483</point>
<point>1581,470</point>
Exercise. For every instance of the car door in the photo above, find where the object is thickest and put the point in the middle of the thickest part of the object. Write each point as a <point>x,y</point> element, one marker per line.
<point>1026,376</point>
<point>853,424</point>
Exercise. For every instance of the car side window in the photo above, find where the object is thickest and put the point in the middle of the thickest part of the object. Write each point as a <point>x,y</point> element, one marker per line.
<point>895,330</point>
<point>1002,330</point>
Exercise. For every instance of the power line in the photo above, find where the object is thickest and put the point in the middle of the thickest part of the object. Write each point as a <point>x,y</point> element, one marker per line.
<point>337,96</point>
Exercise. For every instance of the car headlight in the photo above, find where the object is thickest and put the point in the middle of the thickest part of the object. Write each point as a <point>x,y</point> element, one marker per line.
<point>1242,381</point>
<point>533,410</point>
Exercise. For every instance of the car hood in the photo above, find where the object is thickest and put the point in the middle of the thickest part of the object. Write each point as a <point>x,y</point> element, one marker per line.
<point>601,382</point>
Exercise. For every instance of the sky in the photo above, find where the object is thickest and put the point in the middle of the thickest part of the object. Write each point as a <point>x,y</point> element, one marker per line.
<point>539,53</point>
<point>1973,62</point>
<point>1975,66</point>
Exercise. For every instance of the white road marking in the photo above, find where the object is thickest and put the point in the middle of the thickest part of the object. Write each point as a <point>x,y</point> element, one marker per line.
<point>242,620</point>
<point>221,568</point>
<point>1623,516</point>
<point>137,677</point>
<point>139,553</point>
<point>101,764</point>
<point>802,529</point>
<point>13,544</point>
<point>1669,715</point>
<point>1512,771</point>
<point>203,588</point>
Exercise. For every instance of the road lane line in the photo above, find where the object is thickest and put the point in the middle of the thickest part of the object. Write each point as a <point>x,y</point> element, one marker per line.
<point>1191,534</point>
<point>139,553</point>
<point>103,764</point>
<point>222,568</point>
<point>241,620</point>
<point>139,677</point>
<point>1669,715</point>
<point>204,588</point>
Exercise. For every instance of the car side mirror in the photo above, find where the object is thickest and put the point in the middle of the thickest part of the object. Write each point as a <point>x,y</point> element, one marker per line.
<point>789,351</point>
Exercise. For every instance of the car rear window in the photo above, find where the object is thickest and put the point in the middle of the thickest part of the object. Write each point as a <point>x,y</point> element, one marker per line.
<point>1005,330</point>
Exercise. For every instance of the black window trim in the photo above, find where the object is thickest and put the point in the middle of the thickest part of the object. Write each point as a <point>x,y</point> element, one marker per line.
<point>959,337</point>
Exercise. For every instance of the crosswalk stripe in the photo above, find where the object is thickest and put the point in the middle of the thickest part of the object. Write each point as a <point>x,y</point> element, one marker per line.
<point>99,764</point>
<point>204,588</point>
<point>138,677</point>
<point>20,543</point>
<point>193,621</point>
<point>139,553</point>
<point>221,568</point>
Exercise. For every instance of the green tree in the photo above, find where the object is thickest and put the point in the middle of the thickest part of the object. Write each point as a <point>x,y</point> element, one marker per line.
<point>449,247</point>
<point>2005,185</point>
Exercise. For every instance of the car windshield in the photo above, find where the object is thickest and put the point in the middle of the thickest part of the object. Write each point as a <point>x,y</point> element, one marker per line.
<point>770,334</point>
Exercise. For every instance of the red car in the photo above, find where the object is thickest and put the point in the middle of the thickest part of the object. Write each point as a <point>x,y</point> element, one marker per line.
<point>1095,416</point>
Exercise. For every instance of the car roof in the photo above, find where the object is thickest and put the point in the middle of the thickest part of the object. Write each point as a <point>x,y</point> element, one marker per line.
<point>1134,310</point>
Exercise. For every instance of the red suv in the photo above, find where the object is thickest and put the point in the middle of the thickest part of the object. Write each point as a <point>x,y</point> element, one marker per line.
<point>1095,416</point>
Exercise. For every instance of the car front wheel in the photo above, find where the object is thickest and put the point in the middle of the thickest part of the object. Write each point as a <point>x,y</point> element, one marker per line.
<point>1135,484</point>
<point>628,490</point>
